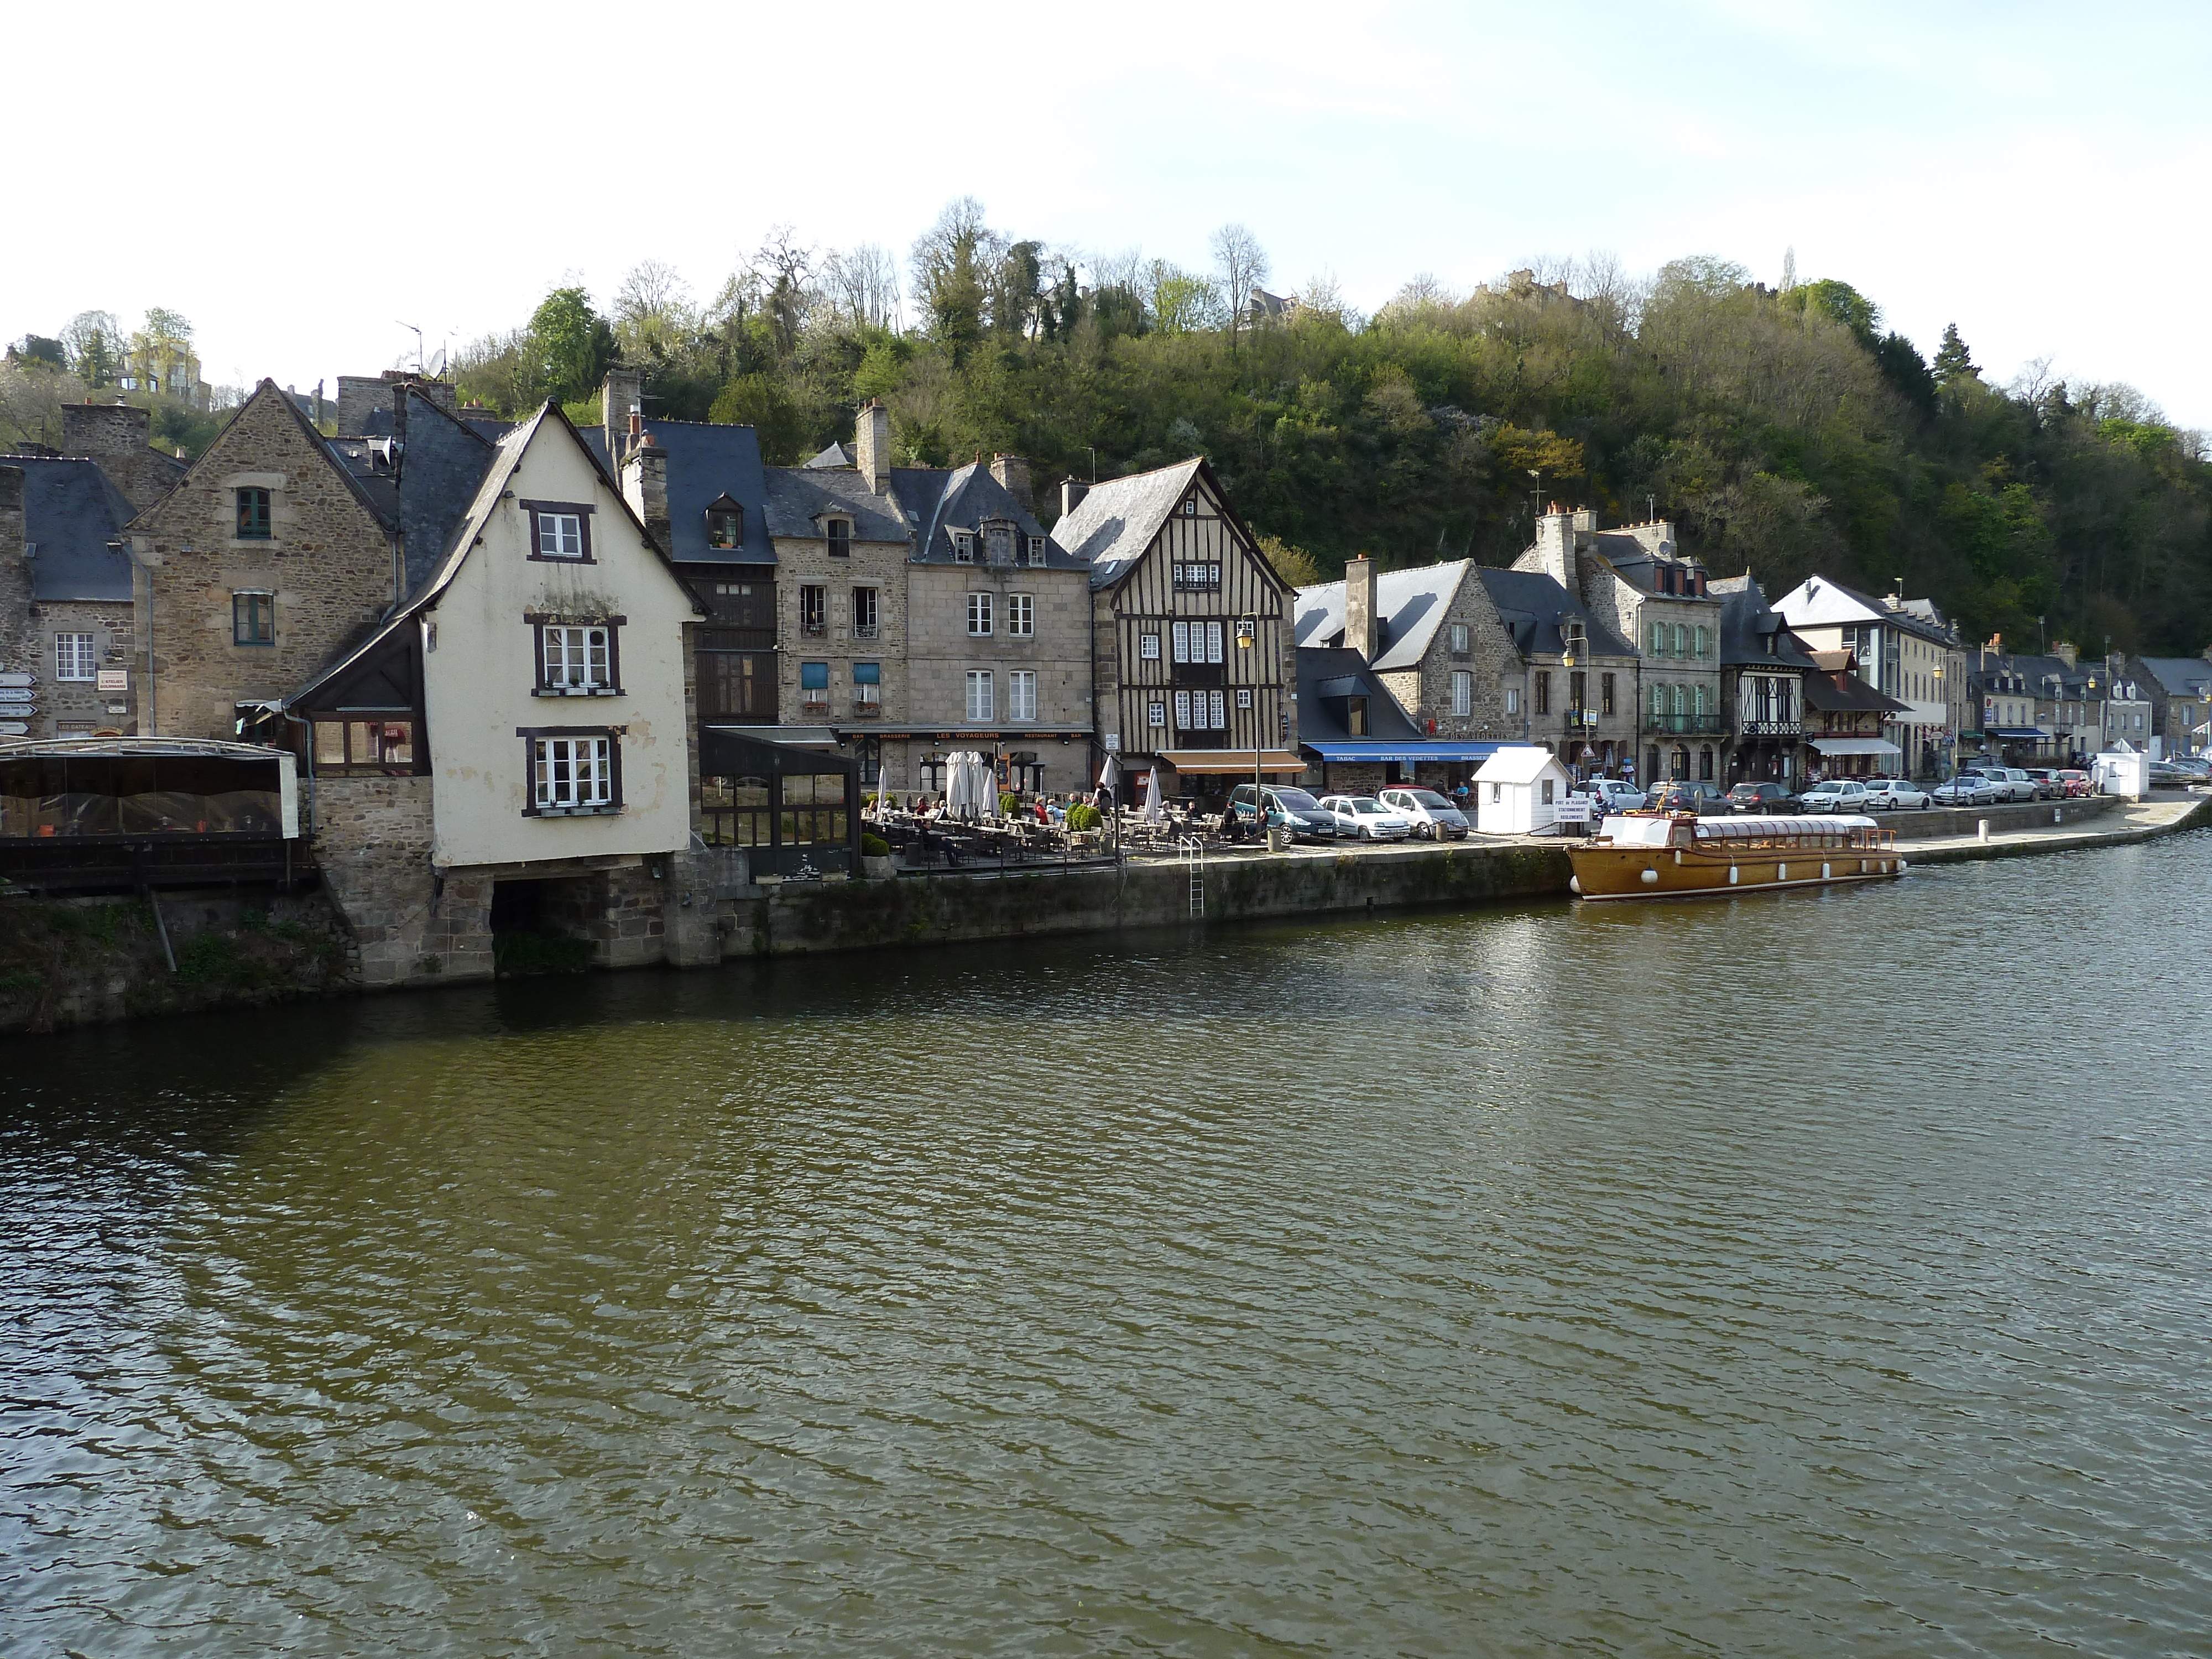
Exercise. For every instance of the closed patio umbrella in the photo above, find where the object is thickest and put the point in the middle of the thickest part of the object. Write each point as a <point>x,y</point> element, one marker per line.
<point>1109,777</point>
<point>1155,797</point>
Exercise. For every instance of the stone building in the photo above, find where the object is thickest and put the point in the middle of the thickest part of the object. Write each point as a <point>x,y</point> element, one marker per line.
<point>1575,695</point>
<point>66,622</point>
<point>1434,638</point>
<point>999,627</point>
<point>1177,583</point>
<point>1763,670</point>
<point>1635,582</point>
<point>116,436</point>
<point>267,560</point>
<point>2180,690</point>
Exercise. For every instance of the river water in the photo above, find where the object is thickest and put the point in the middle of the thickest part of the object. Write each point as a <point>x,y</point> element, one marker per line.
<point>1795,1274</point>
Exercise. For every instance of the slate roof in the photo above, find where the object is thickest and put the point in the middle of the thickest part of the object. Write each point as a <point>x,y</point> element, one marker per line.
<point>439,469</point>
<point>1747,623</point>
<point>1853,695</point>
<point>2177,676</point>
<point>937,501</point>
<point>1328,675</point>
<point>1113,525</point>
<point>1906,620</point>
<point>836,455</point>
<point>707,460</point>
<point>1532,605</point>
<point>799,497</point>
<point>70,514</point>
<point>1409,604</point>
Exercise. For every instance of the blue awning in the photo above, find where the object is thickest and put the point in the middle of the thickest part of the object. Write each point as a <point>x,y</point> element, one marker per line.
<point>2019,733</point>
<point>1413,751</point>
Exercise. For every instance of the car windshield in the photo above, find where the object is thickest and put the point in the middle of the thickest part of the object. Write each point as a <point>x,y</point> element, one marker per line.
<point>1294,801</point>
<point>1425,798</point>
<point>1365,804</point>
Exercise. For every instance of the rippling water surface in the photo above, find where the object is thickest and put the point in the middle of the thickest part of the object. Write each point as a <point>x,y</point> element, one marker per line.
<point>1797,1274</point>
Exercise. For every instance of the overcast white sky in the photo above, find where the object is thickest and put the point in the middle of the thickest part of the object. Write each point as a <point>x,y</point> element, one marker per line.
<point>302,180</point>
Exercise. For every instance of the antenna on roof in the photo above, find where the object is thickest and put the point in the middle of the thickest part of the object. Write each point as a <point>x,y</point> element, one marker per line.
<point>418,344</point>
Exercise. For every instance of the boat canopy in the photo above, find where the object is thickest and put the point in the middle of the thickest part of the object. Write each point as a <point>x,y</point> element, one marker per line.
<point>1765,828</point>
<point>1636,832</point>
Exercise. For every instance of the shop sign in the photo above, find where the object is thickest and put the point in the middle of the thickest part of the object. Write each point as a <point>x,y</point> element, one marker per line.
<point>114,679</point>
<point>1575,809</point>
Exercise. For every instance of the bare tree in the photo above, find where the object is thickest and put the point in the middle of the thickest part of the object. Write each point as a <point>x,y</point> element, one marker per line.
<point>652,288</point>
<point>786,270</point>
<point>1243,264</point>
<point>863,285</point>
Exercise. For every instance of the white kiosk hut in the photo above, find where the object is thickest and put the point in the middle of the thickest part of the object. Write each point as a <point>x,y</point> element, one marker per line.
<point>2122,770</point>
<point>1518,791</point>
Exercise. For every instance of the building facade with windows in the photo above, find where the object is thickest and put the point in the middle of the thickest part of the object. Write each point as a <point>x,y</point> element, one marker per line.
<point>67,630</point>
<point>842,604</point>
<point>512,752</point>
<point>268,558</point>
<point>1906,651</point>
<point>1763,671</point>
<point>1575,692</point>
<point>1844,718</point>
<point>1177,585</point>
<point>999,639</point>
<point>2180,690</point>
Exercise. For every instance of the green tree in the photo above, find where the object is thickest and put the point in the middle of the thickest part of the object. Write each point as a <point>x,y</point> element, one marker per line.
<point>569,347</point>
<point>1952,362</point>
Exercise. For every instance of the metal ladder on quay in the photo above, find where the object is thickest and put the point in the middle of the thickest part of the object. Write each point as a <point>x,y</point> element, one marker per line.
<point>1193,862</point>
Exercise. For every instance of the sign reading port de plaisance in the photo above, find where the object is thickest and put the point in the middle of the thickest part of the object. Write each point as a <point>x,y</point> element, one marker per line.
<point>1575,809</point>
<point>114,679</point>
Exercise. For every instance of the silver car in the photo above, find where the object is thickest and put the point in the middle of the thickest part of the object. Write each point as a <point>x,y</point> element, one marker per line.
<point>1968,789</point>
<point>1365,818</point>
<point>1434,818</point>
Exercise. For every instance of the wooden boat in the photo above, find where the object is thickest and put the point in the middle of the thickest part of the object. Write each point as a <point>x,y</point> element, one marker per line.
<point>1676,854</point>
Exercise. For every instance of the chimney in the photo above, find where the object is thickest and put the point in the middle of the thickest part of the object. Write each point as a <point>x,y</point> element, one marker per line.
<point>2067,652</point>
<point>1072,494</point>
<point>1360,630</point>
<point>872,445</point>
<point>644,485</point>
<point>1012,473</point>
<point>1555,551</point>
<point>105,429</point>
<point>621,393</point>
<point>1585,527</point>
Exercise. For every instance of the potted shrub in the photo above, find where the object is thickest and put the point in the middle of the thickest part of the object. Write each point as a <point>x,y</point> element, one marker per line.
<point>876,862</point>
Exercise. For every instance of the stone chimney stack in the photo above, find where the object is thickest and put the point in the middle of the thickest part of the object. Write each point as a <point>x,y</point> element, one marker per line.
<point>645,484</point>
<point>1555,551</point>
<point>1072,494</point>
<point>2067,652</point>
<point>17,648</point>
<point>621,393</point>
<point>872,445</point>
<point>103,429</point>
<point>1361,629</point>
<point>1012,473</point>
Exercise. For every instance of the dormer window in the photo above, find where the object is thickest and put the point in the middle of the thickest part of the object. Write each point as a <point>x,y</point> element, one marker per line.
<point>840,532</point>
<point>1037,550</point>
<point>725,524</point>
<point>964,547</point>
<point>560,529</point>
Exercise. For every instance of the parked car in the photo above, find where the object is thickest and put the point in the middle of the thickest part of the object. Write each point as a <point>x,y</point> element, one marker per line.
<point>2077,782</point>
<point>1434,818</point>
<point>1836,795</point>
<point>1681,795</point>
<point>1363,818</point>
<point>1895,794</point>
<point>1770,798</point>
<point>1291,809</point>
<point>2011,782</point>
<point>2048,783</point>
<point>1968,789</point>
<point>1612,795</point>
<point>2169,774</point>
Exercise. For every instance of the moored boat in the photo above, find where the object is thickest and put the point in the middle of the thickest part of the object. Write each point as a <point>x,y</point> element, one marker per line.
<point>1674,854</point>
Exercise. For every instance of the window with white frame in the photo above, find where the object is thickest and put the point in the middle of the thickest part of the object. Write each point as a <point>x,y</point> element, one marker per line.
<point>1021,694</point>
<point>1201,711</point>
<point>561,534</point>
<point>1197,642</point>
<point>1243,696</point>
<point>1021,615</point>
<point>1512,698</point>
<point>981,701</point>
<point>1148,646</point>
<point>74,658</point>
<point>964,547</point>
<point>572,773</point>
<point>1462,691</point>
<point>979,616</point>
<point>865,612</point>
<point>1036,550</point>
<point>1156,713</point>
<point>1198,578</point>
<point>574,659</point>
<point>1459,636</point>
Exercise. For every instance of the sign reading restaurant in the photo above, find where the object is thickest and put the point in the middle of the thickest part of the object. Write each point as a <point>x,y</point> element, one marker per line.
<point>1772,728</point>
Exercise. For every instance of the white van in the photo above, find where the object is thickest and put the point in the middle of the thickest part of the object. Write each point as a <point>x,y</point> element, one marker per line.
<point>1434,818</point>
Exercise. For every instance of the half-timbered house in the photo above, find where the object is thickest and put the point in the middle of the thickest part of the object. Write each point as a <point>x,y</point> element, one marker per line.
<point>1191,640</point>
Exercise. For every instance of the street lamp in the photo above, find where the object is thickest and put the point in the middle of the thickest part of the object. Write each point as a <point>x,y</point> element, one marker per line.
<point>1248,639</point>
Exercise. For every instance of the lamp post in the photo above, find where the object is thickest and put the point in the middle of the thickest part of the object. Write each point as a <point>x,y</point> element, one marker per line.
<point>1248,639</point>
